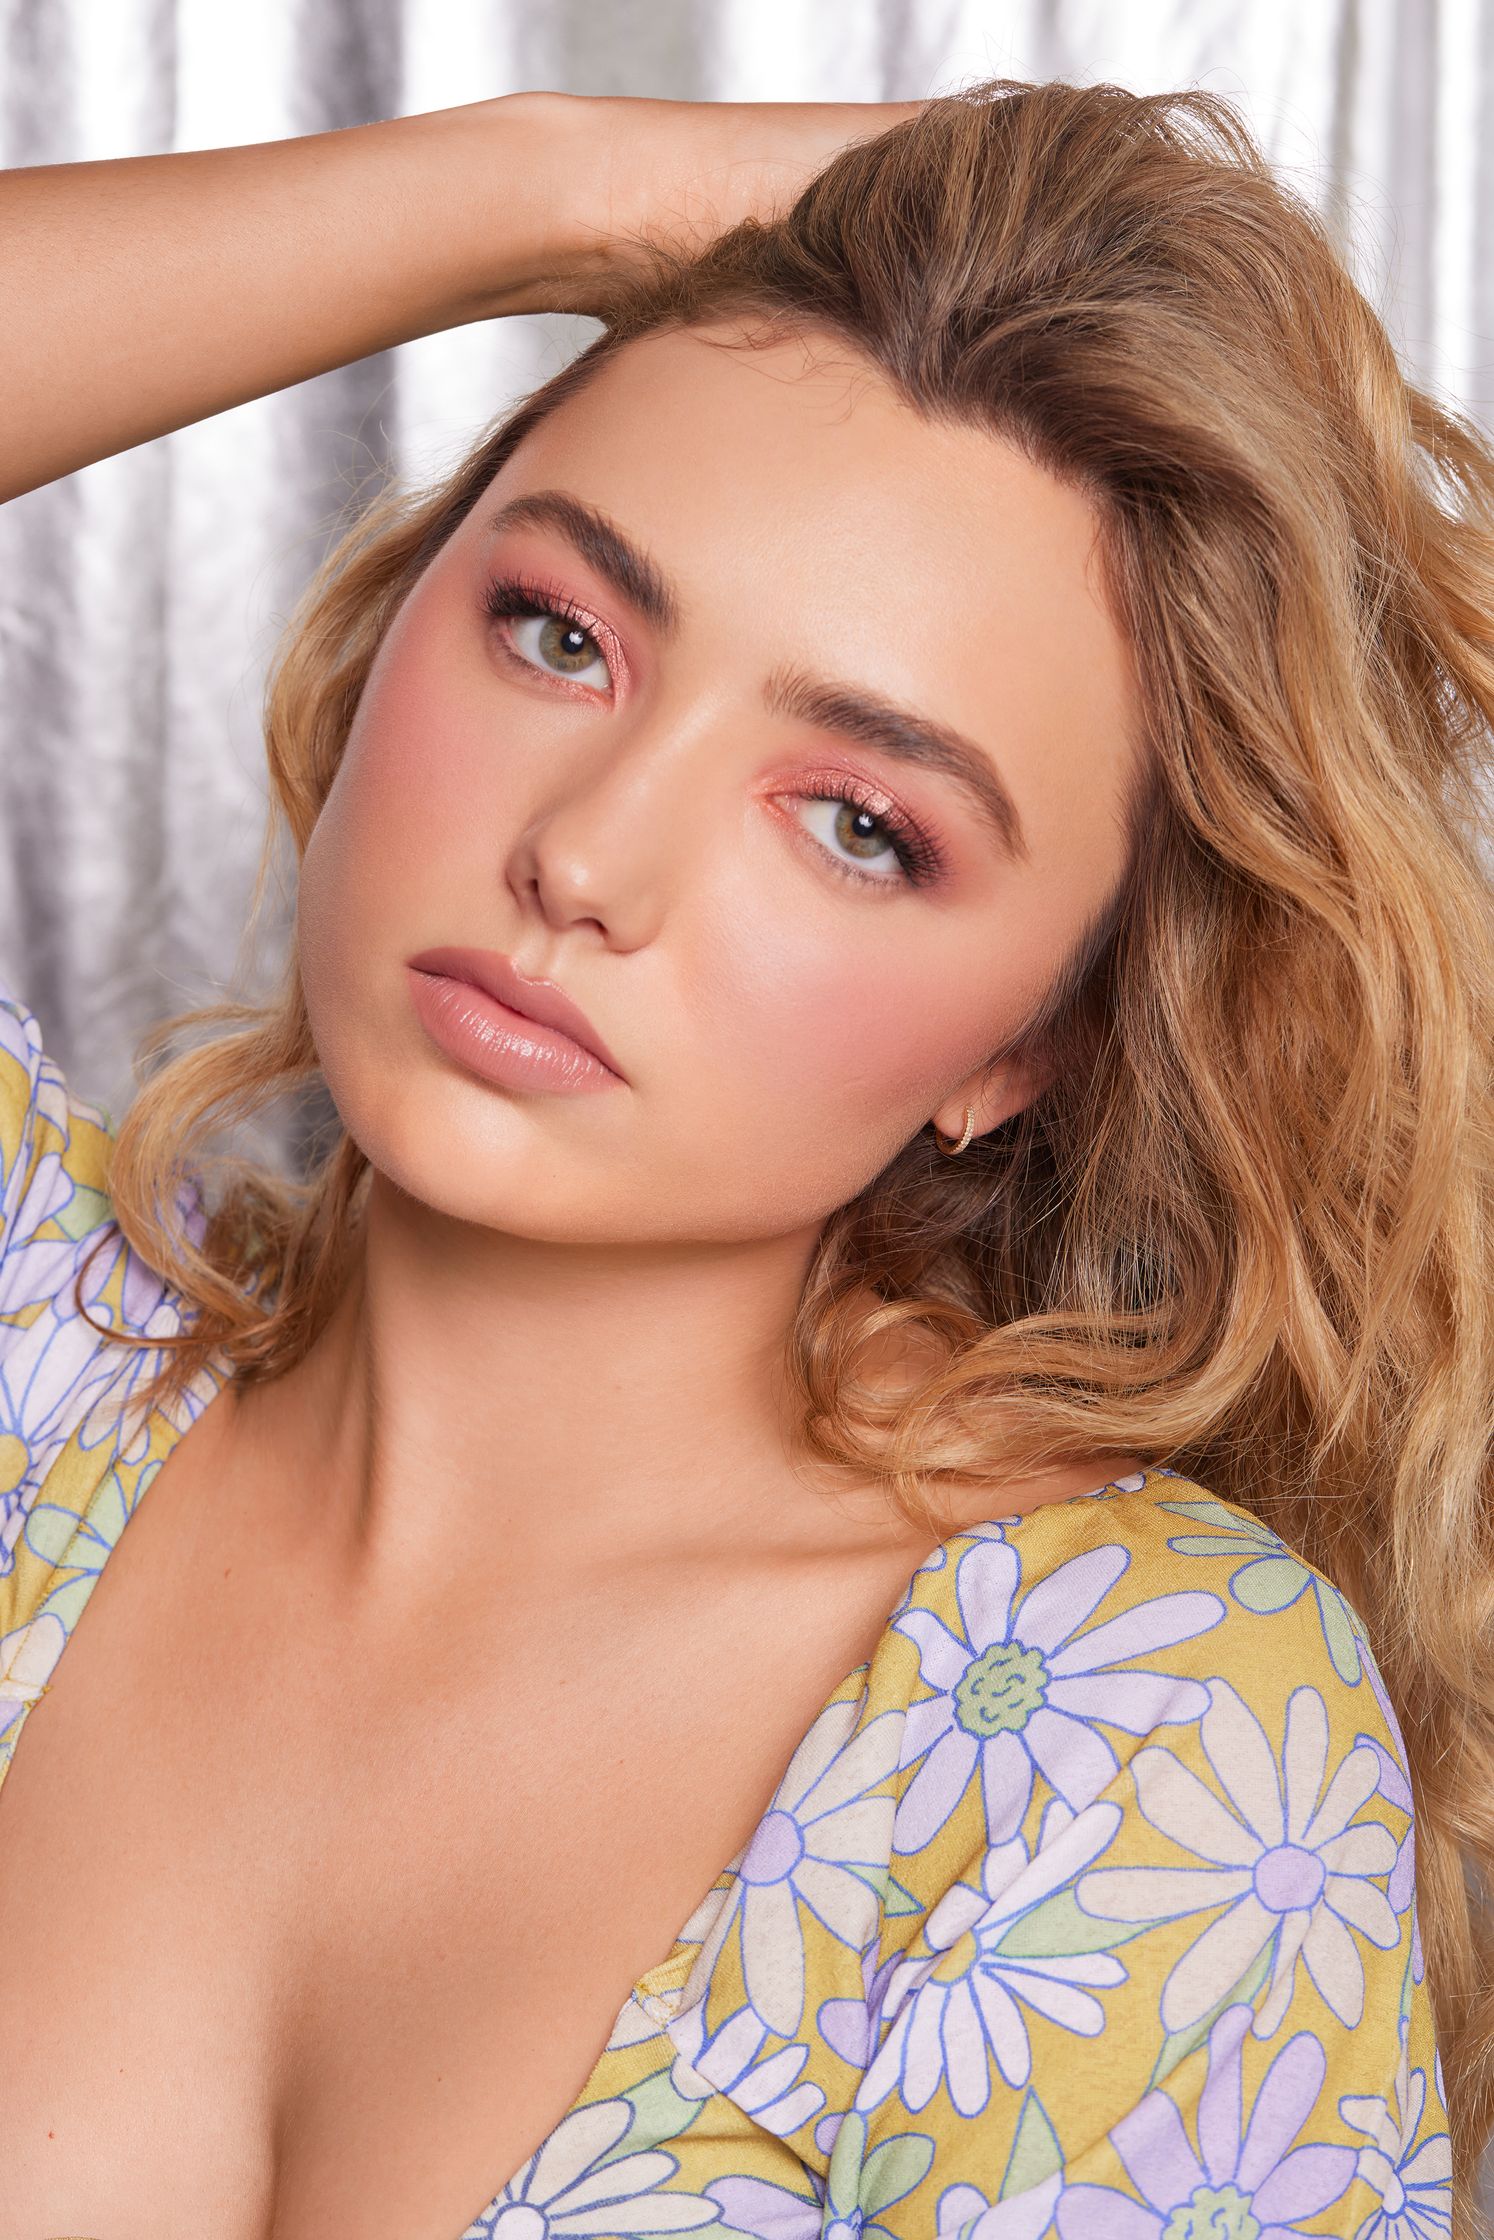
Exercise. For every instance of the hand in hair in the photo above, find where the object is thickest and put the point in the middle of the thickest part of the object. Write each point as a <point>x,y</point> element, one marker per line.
<point>676,174</point>
<point>154,291</point>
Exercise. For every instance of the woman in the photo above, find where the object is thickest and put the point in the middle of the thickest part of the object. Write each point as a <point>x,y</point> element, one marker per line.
<point>890,904</point>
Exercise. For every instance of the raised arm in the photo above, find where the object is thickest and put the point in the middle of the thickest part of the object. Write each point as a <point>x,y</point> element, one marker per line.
<point>150,291</point>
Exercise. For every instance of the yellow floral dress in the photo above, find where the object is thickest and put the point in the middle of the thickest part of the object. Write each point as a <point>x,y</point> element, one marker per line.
<point>1084,1908</point>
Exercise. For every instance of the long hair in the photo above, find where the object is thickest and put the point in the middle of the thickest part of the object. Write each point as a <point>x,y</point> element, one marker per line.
<point>1246,1230</point>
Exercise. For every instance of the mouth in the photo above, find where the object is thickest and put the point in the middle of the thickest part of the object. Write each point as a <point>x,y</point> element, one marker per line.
<point>507,1028</point>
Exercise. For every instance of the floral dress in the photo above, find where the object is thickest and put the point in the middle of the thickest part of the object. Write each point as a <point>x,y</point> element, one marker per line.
<point>1085,1907</point>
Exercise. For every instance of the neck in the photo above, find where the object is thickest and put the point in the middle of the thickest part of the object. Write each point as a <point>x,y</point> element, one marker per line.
<point>480,1403</point>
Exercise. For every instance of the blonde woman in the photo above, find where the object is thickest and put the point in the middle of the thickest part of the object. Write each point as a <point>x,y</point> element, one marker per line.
<point>815,1581</point>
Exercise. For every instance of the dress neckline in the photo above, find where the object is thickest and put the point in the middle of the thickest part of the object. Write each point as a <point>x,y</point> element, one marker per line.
<point>658,1990</point>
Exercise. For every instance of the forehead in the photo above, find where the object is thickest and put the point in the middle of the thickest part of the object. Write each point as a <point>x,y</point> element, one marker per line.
<point>804,437</point>
<point>786,485</point>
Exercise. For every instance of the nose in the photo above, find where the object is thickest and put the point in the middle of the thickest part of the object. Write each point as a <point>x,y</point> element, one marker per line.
<point>618,830</point>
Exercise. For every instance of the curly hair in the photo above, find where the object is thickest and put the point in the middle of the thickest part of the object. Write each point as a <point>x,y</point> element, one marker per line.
<point>1246,1228</point>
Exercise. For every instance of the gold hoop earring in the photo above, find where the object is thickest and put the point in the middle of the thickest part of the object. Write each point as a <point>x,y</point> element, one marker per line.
<point>950,1149</point>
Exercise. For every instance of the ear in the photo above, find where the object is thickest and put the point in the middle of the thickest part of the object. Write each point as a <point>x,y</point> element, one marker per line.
<point>995,1093</point>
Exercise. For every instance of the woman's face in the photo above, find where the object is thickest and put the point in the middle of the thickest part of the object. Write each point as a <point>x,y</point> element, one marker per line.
<point>680,799</point>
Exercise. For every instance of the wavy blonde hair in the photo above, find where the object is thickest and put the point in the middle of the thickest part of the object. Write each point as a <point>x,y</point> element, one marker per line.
<point>1246,1230</point>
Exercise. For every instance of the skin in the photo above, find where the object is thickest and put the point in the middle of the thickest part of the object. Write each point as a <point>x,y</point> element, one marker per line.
<point>641,838</point>
<point>444,1673</point>
<point>435,1681</point>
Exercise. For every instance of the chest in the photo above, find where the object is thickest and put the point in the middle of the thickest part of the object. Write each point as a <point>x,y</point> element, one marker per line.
<point>304,1937</point>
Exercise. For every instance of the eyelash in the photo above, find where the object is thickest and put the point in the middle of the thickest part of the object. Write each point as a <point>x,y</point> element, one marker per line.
<point>920,859</point>
<point>512,598</point>
<point>516,598</point>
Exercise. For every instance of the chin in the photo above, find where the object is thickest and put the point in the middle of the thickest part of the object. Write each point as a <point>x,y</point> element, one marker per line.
<point>520,1190</point>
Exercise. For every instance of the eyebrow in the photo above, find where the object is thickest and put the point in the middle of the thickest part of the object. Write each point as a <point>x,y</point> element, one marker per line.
<point>872,721</point>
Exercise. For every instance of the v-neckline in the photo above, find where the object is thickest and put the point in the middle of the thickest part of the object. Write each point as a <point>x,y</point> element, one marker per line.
<point>667,1978</point>
<point>659,1981</point>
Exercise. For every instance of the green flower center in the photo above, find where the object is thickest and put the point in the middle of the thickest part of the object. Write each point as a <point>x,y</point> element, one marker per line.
<point>999,1691</point>
<point>1213,2213</point>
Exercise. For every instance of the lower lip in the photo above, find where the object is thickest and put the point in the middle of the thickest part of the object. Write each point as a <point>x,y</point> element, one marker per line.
<point>500,1045</point>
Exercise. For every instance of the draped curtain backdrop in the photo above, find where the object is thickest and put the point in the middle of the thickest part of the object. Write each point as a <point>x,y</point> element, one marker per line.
<point>140,598</point>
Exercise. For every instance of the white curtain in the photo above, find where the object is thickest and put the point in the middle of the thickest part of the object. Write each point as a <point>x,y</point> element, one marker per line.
<point>139,598</point>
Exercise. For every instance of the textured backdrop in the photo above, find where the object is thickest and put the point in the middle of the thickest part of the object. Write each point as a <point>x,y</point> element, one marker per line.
<point>139,599</point>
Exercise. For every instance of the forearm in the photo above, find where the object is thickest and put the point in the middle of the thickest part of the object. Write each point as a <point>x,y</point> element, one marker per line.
<point>146,293</point>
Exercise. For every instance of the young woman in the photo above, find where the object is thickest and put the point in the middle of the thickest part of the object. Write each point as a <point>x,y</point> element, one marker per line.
<point>807,1588</point>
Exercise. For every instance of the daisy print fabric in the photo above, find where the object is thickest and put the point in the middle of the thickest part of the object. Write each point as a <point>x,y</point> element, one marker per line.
<point>1084,1910</point>
<point>76,1450</point>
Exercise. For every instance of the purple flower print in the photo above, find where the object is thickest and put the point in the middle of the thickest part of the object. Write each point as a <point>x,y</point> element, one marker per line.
<point>1026,1689</point>
<point>849,2026</point>
<point>1381,1695</point>
<point>959,2008</point>
<point>758,2209</point>
<point>1239,2180</point>
<point>578,2185</point>
<point>817,1850</point>
<point>965,2214</point>
<point>1400,1889</point>
<point>1409,2170</point>
<point>1286,1856</point>
<point>730,2059</point>
<point>1395,1785</point>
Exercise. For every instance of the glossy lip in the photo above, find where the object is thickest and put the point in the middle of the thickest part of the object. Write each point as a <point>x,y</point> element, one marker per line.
<point>537,1000</point>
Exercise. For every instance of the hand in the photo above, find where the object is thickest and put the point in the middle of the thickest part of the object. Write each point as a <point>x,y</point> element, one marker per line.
<point>680,173</point>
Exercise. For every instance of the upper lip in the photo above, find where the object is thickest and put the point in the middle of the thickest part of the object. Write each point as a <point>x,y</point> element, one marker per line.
<point>539,1000</point>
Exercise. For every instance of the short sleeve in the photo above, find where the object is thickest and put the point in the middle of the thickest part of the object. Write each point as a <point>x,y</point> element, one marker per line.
<point>53,1163</point>
<point>81,1432</point>
<point>1171,1982</point>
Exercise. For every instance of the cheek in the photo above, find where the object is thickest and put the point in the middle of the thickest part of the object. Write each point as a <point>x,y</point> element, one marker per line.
<point>386,855</point>
<point>414,785</point>
<point>853,1023</point>
<point>419,760</point>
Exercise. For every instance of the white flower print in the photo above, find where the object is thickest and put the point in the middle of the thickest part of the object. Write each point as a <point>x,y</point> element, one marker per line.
<point>28,1656</point>
<point>36,1184</point>
<point>1027,1689</point>
<point>569,2187</point>
<point>1413,2182</point>
<point>53,1370</point>
<point>729,2059</point>
<point>953,2009</point>
<point>826,1821</point>
<point>1294,1870</point>
<point>634,2026</point>
<point>59,1382</point>
<point>1245,2174</point>
<point>645,2007</point>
